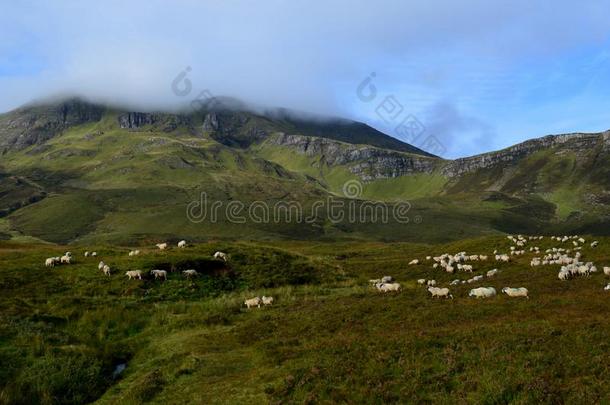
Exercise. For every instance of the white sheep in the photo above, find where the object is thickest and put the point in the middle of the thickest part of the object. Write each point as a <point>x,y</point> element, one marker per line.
<point>455,282</point>
<point>253,302</point>
<point>221,255</point>
<point>190,273</point>
<point>106,270</point>
<point>387,279</point>
<point>387,287</point>
<point>431,283</point>
<point>159,274</point>
<point>492,273</point>
<point>482,292</point>
<point>94,254</point>
<point>594,244</point>
<point>134,253</point>
<point>134,274</point>
<point>439,292</point>
<point>182,244</point>
<point>67,259</point>
<point>101,265</point>
<point>161,246</point>
<point>267,300</point>
<point>50,262</point>
<point>86,254</point>
<point>607,288</point>
<point>516,292</point>
<point>421,281</point>
<point>607,271</point>
<point>414,261</point>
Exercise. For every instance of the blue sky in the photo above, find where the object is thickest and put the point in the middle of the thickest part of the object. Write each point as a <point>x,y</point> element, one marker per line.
<point>477,75</point>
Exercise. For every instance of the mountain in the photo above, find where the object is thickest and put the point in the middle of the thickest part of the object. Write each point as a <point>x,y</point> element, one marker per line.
<point>74,171</point>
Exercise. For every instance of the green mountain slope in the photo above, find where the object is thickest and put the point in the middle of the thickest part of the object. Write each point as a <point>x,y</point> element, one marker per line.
<point>79,172</point>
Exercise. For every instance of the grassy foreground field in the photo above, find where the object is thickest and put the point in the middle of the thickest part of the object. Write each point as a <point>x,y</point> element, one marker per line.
<point>329,337</point>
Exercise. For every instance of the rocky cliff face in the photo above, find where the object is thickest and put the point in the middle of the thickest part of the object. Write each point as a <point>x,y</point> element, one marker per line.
<point>34,125</point>
<point>367,162</point>
<point>166,122</point>
<point>573,142</point>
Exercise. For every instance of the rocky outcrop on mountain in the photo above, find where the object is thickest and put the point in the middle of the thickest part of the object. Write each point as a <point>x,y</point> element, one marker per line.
<point>237,129</point>
<point>577,143</point>
<point>367,162</point>
<point>35,124</point>
<point>166,122</point>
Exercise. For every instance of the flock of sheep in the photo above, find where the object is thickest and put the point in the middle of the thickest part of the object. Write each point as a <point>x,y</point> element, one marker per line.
<point>452,263</point>
<point>568,258</point>
<point>157,274</point>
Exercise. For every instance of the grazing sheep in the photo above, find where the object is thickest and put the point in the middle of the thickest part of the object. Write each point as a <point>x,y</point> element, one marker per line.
<point>607,288</point>
<point>421,281</point>
<point>86,254</point>
<point>594,244</point>
<point>182,244</point>
<point>101,265</point>
<point>482,292</point>
<point>387,287</point>
<point>492,273</point>
<point>455,282</point>
<point>159,274</point>
<point>387,279</point>
<point>67,259</point>
<point>253,302</point>
<point>134,253</point>
<point>94,254</point>
<point>161,246</point>
<point>190,273</point>
<point>221,255</point>
<point>439,292</point>
<point>563,275</point>
<point>267,300</point>
<point>106,270</point>
<point>431,283</point>
<point>134,274</point>
<point>414,261</point>
<point>375,281</point>
<point>50,262</point>
<point>516,292</point>
<point>607,271</point>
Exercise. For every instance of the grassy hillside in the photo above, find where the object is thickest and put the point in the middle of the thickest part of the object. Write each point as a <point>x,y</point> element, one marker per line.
<point>329,337</point>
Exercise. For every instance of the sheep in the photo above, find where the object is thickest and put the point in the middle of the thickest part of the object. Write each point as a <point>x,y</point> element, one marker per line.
<point>387,287</point>
<point>106,270</point>
<point>182,244</point>
<point>387,279</point>
<point>66,259</point>
<point>253,302</point>
<point>87,254</point>
<point>594,244</point>
<point>439,292</point>
<point>421,281</point>
<point>492,273</point>
<point>607,271</point>
<point>267,300</point>
<point>94,254</point>
<point>190,273</point>
<point>516,292</point>
<point>161,246</point>
<point>134,253</point>
<point>159,274</point>
<point>134,274</point>
<point>482,292</point>
<point>414,261</point>
<point>375,281</point>
<point>431,283</point>
<point>221,255</point>
<point>50,262</point>
<point>607,288</point>
<point>455,282</point>
<point>563,275</point>
<point>101,265</point>
<point>68,254</point>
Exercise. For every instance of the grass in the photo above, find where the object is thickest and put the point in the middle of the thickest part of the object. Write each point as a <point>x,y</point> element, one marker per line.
<point>329,338</point>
